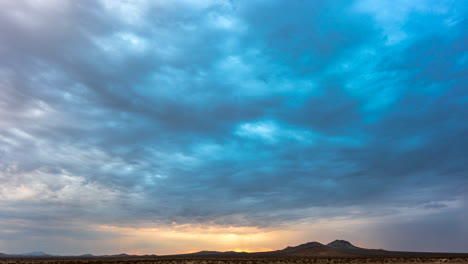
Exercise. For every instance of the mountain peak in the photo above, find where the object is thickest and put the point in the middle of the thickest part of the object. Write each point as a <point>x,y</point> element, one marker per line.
<point>341,244</point>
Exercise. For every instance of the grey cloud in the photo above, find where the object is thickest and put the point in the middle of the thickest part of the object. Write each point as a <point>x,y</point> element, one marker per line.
<point>442,232</point>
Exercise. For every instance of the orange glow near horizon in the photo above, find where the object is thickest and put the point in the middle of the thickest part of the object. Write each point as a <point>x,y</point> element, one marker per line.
<point>189,239</point>
<point>181,239</point>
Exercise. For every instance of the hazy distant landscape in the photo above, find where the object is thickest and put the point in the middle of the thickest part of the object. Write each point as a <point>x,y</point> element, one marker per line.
<point>338,251</point>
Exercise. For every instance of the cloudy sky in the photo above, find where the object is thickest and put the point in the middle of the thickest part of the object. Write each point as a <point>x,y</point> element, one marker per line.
<point>172,126</point>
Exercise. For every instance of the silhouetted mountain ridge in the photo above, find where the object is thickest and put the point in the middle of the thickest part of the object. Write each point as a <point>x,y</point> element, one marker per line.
<point>337,248</point>
<point>35,254</point>
<point>308,249</point>
<point>206,252</point>
<point>338,244</point>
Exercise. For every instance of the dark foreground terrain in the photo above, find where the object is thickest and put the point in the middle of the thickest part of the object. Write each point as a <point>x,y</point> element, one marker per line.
<point>336,252</point>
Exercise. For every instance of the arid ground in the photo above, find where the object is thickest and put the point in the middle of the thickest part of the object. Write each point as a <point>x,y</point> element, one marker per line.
<point>233,260</point>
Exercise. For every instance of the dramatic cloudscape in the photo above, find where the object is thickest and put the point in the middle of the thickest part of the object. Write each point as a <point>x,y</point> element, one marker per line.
<point>172,126</point>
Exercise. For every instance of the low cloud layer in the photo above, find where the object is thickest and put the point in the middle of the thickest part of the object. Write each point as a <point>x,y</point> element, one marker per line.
<point>232,114</point>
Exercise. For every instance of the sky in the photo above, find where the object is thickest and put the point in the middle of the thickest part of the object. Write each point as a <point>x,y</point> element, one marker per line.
<point>173,126</point>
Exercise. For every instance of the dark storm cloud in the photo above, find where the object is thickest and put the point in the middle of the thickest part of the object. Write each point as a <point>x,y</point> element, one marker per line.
<point>229,113</point>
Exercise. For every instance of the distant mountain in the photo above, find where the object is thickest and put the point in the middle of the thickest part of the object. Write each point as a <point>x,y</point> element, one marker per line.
<point>346,247</point>
<point>301,247</point>
<point>342,244</point>
<point>208,253</point>
<point>337,248</point>
<point>35,254</point>
<point>309,249</point>
<point>122,255</point>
